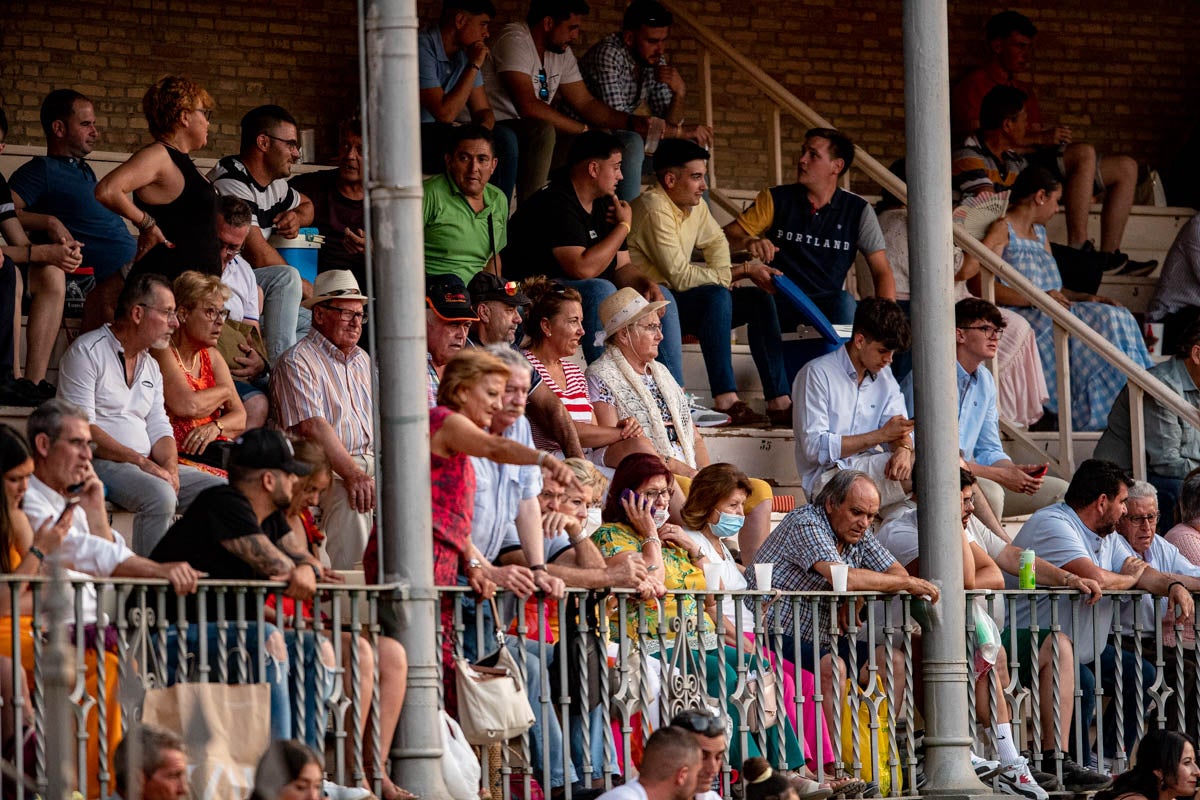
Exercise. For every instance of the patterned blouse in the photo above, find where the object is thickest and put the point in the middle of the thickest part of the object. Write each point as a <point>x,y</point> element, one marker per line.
<point>679,573</point>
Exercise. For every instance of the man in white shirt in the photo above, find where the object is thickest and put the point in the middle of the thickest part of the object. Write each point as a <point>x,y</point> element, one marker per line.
<point>110,374</point>
<point>670,763</point>
<point>61,441</point>
<point>848,411</point>
<point>245,304</point>
<point>708,729</point>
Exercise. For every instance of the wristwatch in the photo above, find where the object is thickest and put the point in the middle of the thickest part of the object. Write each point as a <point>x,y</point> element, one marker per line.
<point>474,563</point>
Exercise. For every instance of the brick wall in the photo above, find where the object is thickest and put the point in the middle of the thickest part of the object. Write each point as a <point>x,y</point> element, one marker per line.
<point>1125,76</point>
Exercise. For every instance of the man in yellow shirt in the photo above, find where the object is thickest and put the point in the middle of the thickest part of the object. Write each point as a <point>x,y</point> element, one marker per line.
<point>670,220</point>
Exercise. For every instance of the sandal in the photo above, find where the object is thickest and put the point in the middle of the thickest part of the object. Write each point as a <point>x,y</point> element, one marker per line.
<point>848,787</point>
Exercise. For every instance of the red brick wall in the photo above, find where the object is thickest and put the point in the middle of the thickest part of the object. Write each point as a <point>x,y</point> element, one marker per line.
<point>1124,75</point>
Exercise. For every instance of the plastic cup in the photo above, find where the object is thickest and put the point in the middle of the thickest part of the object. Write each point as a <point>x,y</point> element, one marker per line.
<point>839,573</point>
<point>712,577</point>
<point>762,576</point>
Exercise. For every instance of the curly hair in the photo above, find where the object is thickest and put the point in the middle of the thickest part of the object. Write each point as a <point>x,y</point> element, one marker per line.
<point>192,287</point>
<point>166,100</point>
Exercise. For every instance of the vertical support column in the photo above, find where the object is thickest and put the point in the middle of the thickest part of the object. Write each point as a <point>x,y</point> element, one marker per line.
<point>946,676</point>
<point>706,88</point>
<point>402,450</point>
<point>775,146</point>
<point>1066,424</point>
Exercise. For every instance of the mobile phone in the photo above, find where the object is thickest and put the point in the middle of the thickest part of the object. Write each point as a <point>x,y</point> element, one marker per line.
<point>1039,471</point>
<point>70,507</point>
<point>76,488</point>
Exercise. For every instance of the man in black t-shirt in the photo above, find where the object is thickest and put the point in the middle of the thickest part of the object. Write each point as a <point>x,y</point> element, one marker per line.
<point>574,230</point>
<point>239,532</point>
<point>337,198</point>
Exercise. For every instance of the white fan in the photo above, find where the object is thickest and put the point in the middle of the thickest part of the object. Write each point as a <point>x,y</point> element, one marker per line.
<point>977,213</point>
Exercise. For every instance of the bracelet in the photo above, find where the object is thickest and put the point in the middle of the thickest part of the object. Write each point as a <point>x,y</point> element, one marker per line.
<point>585,128</point>
<point>904,446</point>
<point>146,224</point>
<point>36,553</point>
<point>628,227</point>
<point>650,539</point>
<point>220,428</point>
<point>541,457</point>
<point>1173,584</point>
<point>538,568</point>
<point>580,538</point>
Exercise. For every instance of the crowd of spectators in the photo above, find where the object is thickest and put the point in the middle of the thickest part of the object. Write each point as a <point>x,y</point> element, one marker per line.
<point>227,402</point>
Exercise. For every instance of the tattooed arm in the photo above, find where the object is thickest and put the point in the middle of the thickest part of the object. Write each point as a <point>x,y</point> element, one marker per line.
<point>274,564</point>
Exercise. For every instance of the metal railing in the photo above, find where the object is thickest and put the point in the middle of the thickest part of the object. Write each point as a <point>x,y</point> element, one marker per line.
<point>869,728</point>
<point>135,636</point>
<point>1141,383</point>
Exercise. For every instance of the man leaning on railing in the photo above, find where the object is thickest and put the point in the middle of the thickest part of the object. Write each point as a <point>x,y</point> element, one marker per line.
<point>834,529</point>
<point>1076,535</point>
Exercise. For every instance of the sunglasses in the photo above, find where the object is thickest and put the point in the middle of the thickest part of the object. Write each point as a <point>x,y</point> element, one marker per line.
<point>701,721</point>
<point>543,86</point>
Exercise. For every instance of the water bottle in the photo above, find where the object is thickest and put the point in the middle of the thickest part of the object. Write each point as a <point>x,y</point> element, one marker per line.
<point>1028,574</point>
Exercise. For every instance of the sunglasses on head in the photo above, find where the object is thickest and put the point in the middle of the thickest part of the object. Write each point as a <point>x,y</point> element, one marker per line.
<point>543,86</point>
<point>701,721</point>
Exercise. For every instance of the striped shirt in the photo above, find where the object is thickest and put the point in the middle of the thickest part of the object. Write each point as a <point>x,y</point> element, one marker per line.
<point>316,379</point>
<point>977,170</point>
<point>574,397</point>
<point>231,177</point>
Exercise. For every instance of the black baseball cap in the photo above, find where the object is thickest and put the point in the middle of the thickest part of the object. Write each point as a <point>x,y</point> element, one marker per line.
<point>677,152</point>
<point>486,286</point>
<point>648,13</point>
<point>264,448</point>
<point>447,296</point>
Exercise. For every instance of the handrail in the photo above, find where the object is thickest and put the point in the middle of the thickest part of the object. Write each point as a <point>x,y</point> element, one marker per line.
<point>1141,381</point>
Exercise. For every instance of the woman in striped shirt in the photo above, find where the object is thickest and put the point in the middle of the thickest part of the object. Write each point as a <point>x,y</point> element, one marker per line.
<point>553,329</point>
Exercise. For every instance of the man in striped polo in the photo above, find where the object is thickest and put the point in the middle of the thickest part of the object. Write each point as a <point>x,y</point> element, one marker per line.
<point>321,390</point>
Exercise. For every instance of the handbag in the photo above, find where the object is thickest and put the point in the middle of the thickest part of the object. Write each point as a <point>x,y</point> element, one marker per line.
<point>460,767</point>
<point>226,727</point>
<point>492,703</point>
<point>233,335</point>
<point>764,691</point>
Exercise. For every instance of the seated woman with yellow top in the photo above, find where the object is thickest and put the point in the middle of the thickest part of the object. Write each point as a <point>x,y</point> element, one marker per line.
<point>626,381</point>
<point>635,521</point>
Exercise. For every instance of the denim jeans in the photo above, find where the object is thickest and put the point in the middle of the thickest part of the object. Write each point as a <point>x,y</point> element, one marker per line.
<point>600,741</point>
<point>504,143</point>
<point>535,149</point>
<point>152,500</point>
<point>711,312</point>
<point>1168,496</point>
<point>595,290</point>
<point>276,676</point>
<point>283,320</point>
<point>634,163</point>
<point>1108,680</point>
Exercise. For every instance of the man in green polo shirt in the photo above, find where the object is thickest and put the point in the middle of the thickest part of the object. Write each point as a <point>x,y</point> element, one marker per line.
<point>465,216</point>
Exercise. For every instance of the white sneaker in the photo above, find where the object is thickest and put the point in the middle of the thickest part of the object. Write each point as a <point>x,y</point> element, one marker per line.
<point>706,417</point>
<point>335,792</point>
<point>985,768</point>
<point>1016,779</point>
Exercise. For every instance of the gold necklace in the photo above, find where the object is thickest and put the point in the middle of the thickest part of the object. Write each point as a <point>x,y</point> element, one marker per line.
<point>179,358</point>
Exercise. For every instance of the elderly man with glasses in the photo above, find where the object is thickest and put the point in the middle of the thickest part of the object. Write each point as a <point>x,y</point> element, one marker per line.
<point>258,175</point>
<point>321,390</point>
<point>110,374</point>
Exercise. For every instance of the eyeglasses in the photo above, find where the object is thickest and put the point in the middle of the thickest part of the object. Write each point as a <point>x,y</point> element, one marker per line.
<point>81,444</point>
<point>207,112</point>
<point>1143,519</point>
<point>214,314</point>
<point>701,721</point>
<point>231,249</point>
<point>347,314</point>
<point>290,144</point>
<point>652,328</point>
<point>655,494</point>
<point>990,331</point>
<point>167,312</point>
<point>543,86</point>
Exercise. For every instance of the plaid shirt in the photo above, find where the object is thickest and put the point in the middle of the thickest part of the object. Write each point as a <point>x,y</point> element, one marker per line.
<point>802,539</point>
<point>615,78</point>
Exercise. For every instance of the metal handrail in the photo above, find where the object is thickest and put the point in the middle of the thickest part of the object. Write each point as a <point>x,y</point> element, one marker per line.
<point>1065,323</point>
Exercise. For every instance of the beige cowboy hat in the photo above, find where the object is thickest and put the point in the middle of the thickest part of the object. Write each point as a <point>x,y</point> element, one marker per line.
<point>336,284</point>
<point>624,308</point>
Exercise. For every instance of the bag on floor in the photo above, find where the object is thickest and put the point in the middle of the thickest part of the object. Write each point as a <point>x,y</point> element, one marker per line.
<point>460,767</point>
<point>879,772</point>
<point>227,726</point>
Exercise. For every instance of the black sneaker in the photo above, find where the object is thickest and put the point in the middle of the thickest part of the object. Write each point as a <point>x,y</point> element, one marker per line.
<point>47,389</point>
<point>1077,779</point>
<point>1046,780</point>
<point>21,392</point>
<point>1108,263</point>
<point>1137,269</point>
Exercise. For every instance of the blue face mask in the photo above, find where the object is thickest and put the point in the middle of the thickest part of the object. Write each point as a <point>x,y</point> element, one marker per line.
<point>728,525</point>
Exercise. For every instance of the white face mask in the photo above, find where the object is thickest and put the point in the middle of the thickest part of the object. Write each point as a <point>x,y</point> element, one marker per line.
<point>660,516</point>
<point>593,520</point>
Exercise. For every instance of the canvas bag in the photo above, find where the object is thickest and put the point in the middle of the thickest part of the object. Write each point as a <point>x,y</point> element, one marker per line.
<point>492,703</point>
<point>881,772</point>
<point>227,727</point>
<point>233,334</point>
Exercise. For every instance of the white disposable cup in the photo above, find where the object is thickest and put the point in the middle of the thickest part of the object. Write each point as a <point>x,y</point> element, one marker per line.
<point>838,573</point>
<point>712,577</point>
<point>762,576</point>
